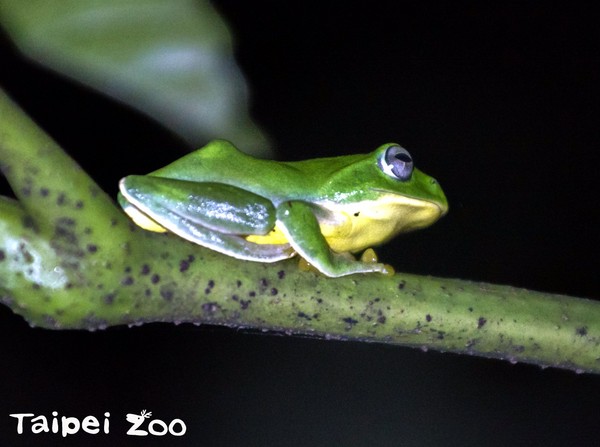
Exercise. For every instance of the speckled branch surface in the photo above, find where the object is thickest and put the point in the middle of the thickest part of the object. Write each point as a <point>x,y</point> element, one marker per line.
<point>69,258</point>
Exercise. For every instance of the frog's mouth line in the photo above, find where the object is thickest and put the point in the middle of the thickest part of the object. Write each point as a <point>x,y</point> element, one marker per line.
<point>443,208</point>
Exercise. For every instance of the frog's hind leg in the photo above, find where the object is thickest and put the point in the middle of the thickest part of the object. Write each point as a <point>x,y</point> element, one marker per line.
<point>212,215</point>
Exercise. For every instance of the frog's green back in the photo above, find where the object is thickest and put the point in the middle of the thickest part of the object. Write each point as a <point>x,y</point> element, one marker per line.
<point>221,162</point>
<point>342,179</point>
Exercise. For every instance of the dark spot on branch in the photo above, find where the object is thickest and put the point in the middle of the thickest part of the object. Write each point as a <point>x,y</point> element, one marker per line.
<point>65,240</point>
<point>211,284</point>
<point>94,190</point>
<point>145,269</point>
<point>166,292</point>
<point>92,248</point>
<point>244,304</point>
<point>44,192</point>
<point>61,199</point>
<point>79,204</point>
<point>183,265</point>
<point>349,320</point>
<point>303,315</point>
<point>210,308</point>
<point>481,322</point>
<point>127,281</point>
<point>29,223</point>
<point>155,279</point>
<point>581,331</point>
<point>401,284</point>
<point>2,255</point>
<point>428,318</point>
<point>109,299</point>
<point>281,274</point>
<point>27,257</point>
<point>274,291</point>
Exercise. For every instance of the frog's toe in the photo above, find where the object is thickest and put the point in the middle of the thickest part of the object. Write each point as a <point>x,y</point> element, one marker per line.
<point>369,256</point>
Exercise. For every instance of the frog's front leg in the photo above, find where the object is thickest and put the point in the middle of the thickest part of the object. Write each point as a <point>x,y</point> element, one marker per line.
<point>298,222</point>
<point>213,215</point>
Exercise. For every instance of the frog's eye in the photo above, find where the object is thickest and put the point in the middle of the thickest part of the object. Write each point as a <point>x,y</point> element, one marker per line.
<point>397,163</point>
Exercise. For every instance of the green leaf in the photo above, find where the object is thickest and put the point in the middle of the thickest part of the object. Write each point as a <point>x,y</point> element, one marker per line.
<point>171,59</point>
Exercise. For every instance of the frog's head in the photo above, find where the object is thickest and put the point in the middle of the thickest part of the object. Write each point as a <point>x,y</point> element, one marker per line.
<point>385,186</point>
<point>403,187</point>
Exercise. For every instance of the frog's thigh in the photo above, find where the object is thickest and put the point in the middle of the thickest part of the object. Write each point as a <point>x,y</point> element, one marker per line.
<point>301,227</point>
<point>209,214</point>
<point>216,206</point>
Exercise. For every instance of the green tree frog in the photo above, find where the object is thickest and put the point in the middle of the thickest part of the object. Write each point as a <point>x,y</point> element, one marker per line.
<point>262,210</point>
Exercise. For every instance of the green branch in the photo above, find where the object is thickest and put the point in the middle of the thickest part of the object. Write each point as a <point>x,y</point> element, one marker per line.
<point>69,258</point>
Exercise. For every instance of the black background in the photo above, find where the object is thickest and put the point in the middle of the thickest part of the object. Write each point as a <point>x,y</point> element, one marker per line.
<point>498,102</point>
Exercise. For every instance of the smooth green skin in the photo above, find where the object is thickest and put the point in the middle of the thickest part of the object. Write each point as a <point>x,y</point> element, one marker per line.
<point>217,194</point>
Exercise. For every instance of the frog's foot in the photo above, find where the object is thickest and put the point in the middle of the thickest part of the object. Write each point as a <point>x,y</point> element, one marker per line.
<point>305,266</point>
<point>367,264</point>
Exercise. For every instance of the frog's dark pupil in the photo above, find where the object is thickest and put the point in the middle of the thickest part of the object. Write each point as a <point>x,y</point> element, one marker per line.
<point>403,157</point>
